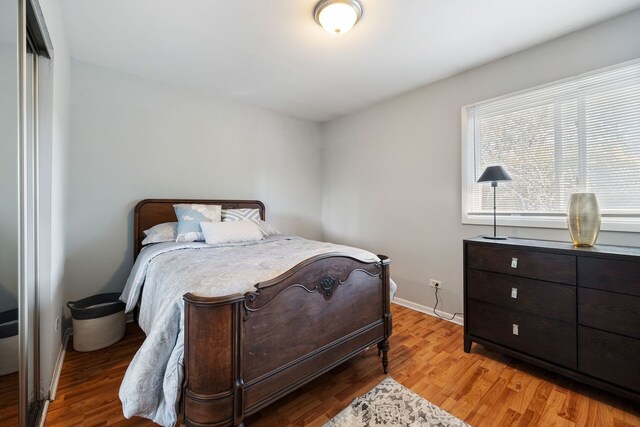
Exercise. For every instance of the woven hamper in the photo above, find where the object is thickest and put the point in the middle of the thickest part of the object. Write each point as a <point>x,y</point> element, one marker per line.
<point>98,321</point>
<point>9,342</point>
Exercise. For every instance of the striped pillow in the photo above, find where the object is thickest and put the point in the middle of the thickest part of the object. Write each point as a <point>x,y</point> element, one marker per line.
<point>240,215</point>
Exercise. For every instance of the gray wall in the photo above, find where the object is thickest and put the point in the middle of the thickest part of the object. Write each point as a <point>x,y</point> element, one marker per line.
<point>133,139</point>
<point>393,172</point>
<point>54,130</point>
<point>387,178</point>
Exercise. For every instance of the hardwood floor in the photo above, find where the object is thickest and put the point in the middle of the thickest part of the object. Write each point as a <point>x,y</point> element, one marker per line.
<point>9,400</point>
<point>483,388</point>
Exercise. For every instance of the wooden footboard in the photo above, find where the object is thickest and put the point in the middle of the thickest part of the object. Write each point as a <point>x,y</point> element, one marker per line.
<point>243,352</point>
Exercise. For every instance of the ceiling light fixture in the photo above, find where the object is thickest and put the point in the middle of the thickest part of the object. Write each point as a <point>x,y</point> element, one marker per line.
<point>337,16</point>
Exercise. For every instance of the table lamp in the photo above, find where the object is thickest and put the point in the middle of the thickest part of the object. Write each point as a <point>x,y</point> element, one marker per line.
<point>493,174</point>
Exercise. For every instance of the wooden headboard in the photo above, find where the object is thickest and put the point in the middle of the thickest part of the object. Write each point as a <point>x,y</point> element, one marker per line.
<point>150,212</point>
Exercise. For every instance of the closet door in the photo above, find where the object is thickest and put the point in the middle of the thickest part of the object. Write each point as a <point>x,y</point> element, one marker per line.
<point>21,40</point>
<point>9,214</point>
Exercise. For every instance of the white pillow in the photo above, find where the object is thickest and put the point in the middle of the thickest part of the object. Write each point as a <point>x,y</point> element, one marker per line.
<point>165,232</point>
<point>267,229</point>
<point>231,232</point>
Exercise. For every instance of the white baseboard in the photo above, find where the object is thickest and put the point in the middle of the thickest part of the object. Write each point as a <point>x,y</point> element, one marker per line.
<point>53,388</point>
<point>43,414</point>
<point>427,310</point>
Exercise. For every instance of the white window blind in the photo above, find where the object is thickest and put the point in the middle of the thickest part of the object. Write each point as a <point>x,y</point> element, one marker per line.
<point>578,135</point>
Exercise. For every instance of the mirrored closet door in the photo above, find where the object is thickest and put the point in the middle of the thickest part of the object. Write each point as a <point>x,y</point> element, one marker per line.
<point>9,214</point>
<point>22,46</point>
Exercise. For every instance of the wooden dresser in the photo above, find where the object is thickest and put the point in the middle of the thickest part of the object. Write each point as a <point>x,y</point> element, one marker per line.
<point>574,311</point>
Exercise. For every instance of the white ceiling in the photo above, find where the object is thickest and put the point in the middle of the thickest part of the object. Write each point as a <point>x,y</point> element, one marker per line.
<point>271,53</point>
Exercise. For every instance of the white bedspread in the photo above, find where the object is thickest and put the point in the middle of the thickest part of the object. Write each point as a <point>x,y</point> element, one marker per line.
<point>151,385</point>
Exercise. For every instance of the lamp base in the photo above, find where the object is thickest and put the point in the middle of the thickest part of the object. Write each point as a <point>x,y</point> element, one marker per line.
<point>495,237</point>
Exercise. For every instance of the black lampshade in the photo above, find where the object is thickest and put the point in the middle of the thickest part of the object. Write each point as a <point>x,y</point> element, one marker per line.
<point>493,174</point>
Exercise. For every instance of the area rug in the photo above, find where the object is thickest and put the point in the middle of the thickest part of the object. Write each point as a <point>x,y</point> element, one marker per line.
<point>392,404</point>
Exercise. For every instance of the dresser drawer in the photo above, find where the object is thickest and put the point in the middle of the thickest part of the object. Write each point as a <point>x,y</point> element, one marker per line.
<point>609,275</point>
<point>609,311</point>
<point>610,357</point>
<point>533,296</point>
<point>535,265</point>
<point>547,339</point>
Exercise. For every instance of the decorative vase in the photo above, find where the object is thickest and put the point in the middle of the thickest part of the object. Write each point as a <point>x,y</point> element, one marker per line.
<point>583,219</point>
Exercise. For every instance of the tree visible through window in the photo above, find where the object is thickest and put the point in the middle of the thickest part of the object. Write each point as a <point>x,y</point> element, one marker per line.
<point>580,135</point>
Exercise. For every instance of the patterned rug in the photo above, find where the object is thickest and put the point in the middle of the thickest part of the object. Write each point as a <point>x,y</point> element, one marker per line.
<point>392,404</point>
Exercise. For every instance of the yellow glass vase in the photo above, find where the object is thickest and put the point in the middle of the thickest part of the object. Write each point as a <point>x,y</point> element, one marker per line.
<point>583,219</point>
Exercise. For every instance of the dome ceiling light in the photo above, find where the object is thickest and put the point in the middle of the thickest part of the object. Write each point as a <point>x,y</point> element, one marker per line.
<point>337,16</point>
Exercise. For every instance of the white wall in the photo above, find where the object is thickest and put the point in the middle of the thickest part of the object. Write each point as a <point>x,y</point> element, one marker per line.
<point>54,135</point>
<point>133,139</point>
<point>393,172</point>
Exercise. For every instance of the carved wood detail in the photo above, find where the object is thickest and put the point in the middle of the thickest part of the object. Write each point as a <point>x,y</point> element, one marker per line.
<point>325,287</point>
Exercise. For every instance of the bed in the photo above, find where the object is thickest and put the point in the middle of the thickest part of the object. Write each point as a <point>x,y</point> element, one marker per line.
<point>243,351</point>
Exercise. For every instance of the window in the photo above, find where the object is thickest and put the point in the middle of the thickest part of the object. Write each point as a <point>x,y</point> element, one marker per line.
<point>578,135</point>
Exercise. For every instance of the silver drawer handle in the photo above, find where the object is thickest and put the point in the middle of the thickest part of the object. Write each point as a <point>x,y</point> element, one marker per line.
<point>514,293</point>
<point>514,262</point>
<point>515,329</point>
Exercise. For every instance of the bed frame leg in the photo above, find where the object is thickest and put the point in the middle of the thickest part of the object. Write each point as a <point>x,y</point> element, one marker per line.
<point>383,347</point>
<point>213,392</point>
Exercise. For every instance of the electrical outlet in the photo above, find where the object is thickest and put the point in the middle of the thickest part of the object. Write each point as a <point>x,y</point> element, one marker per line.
<point>436,284</point>
<point>57,325</point>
